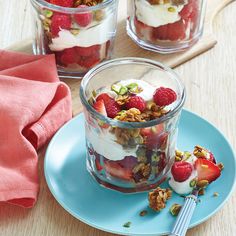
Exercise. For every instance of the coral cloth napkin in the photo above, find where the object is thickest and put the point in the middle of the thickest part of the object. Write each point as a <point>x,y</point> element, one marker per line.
<point>33,105</point>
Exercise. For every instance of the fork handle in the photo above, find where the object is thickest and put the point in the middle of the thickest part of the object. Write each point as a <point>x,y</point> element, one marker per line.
<point>184,216</point>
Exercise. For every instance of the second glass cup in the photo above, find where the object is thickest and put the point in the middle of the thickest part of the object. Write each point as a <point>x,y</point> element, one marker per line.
<point>165,26</point>
<point>80,36</point>
<point>130,138</point>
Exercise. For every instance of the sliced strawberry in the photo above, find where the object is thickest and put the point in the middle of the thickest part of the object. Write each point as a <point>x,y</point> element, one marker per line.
<point>181,171</point>
<point>62,3</point>
<point>121,169</point>
<point>90,61</point>
<point>189,10</point>
<point>207,170</point>
<point>100,107</point>
<point>150,130</point>
<point>104,96</point>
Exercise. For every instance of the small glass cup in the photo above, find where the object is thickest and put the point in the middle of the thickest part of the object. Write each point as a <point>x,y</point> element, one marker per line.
<point>80,37</point>
<point>119,154</point>
<point>165,26</point>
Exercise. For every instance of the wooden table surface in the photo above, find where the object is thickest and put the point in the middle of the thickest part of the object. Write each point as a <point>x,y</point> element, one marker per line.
<point>210,81</point>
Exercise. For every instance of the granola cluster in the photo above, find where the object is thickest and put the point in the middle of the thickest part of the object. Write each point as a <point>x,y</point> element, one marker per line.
<point>87,2</point>
<point>158,198</point>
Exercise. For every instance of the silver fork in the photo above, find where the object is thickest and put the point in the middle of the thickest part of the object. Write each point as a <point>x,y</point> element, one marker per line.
<point>185,215</point>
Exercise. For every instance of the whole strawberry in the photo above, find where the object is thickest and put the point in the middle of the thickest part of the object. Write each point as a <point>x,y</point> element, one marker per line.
<point>83,19</point>
<point>164,96</point>
<point>181,171</point>
<point>60,21</point>
<point>62,3</point>
<point>136,102</point>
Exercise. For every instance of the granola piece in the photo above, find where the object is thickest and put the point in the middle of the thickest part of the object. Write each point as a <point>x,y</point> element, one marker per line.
<point>141,172</point>
<point>127,136</point>
<point>122,99</point>
<point>131,115</point>
<point>200,151</point>
<point>158,198</point>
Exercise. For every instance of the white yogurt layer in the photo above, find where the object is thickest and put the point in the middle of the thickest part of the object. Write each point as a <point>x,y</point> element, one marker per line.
<point>105,145</point>
<point>97,34</point>
<point>157,15</point>
<point>148,89</point>
<point>184,187</point>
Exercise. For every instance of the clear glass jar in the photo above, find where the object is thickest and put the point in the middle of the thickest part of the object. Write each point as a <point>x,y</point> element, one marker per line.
<point>165,26</point>
<point>80,38</point>
<point>121,155</point>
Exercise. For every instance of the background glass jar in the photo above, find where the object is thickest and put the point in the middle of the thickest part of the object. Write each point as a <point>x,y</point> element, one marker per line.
<point>130,156</point>
<point>80,37</point>
<point>165,26</point>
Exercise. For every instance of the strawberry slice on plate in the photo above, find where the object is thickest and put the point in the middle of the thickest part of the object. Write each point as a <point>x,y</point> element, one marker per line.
<point>207,170</point>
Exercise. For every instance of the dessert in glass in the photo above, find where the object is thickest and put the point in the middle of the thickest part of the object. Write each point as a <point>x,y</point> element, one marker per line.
<point>132,107</point>
<point>79,32</point>
<point>165,26</point>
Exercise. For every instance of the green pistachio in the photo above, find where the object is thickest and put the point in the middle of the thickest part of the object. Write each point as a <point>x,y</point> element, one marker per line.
<point>175,209</point>
<point>47,13</point>
<point>123,90</point>
<point>193,183</point>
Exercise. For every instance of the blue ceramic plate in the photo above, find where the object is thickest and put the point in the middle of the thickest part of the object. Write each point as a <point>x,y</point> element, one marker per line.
<point>108,210</point>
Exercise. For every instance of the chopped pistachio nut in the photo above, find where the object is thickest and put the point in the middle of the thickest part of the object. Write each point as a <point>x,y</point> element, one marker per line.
<point>127,224</point>
<point>193,183</point>
<point>123,90</point>
<point>94,93</point>
<point>216,194</point>
<point>116,88</point>
<point>74,31</point>
<point>47,13</point>
<point>187,155</point>
<point>155,157</point>
<point>175,209</point>
<point>171,9</point>
<point>99,15</point>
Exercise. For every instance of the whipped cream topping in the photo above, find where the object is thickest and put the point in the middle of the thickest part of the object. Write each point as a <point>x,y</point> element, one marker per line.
<point>157,15</point>
<point>184,187</point>
<point>104,144</point>
<point>92,35</point>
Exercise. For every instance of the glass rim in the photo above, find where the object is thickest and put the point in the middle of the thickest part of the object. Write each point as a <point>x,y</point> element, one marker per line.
<point>125,124</point>
<point>44,3</point>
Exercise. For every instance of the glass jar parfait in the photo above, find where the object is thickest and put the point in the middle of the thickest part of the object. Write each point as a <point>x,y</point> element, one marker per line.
<point>131,122</point>
<point>165,26</point>
<point>79,32</point>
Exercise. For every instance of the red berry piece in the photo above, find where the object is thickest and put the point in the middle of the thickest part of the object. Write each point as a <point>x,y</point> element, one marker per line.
<point>164,96</point>
<point>88,51</point>
<point>99,106</point>
<point>68,56</point>
<point>112,108</point>
<point>181,171</point>
<point>136,102</point>
<point>89,62</point>
<point>104,96</point>
<point>83,19</point>
<point>207,170</point>
<point>121,169</point>
<point>62,3</point>
<point>60,21</point>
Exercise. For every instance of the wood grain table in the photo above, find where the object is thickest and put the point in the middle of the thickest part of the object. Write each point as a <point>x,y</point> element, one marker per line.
<point>210,80</point>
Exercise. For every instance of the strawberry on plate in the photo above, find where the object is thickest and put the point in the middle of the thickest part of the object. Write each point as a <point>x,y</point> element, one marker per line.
<point>207,170</point>
<point>121,169</point>
<point>181,171</point>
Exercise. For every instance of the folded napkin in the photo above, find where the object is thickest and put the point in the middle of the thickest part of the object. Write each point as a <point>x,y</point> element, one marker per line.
<point>33,105</point>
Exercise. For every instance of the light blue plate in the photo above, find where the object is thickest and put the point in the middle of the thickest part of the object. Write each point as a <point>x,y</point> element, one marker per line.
<point>108,210</point>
